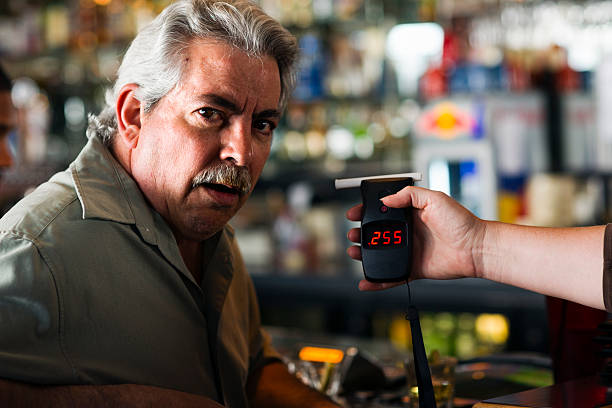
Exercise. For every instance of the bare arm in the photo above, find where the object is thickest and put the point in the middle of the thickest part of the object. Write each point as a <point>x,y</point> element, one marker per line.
<point>451,242</point>
<point>562,262</point>
<point>274,387</point>
<point>21,395</point>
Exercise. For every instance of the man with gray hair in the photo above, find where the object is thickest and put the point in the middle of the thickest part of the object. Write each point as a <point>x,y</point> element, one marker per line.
<point>122,269</point>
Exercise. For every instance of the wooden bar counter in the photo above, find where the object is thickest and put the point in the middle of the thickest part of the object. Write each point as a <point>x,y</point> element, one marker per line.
<point>586,392</point>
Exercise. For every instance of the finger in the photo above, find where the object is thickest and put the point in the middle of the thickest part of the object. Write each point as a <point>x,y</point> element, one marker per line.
<point>365,285</point>
<point>416,197</point>
<point>355,213</point>
<point>354,235</point>
<point>354,252</point>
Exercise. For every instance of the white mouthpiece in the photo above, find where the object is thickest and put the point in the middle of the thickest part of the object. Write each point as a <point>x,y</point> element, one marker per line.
<point>356,182</point>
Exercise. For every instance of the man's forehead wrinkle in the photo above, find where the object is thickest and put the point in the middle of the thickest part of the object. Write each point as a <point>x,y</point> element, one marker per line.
<point>227,72</point>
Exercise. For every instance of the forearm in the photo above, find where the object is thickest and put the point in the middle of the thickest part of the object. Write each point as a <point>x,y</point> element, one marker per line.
<point>273,386</point>
<point>17,394</point>
<point>560,262</point>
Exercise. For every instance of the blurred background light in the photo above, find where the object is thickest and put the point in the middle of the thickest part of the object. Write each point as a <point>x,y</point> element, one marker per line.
<point>412,48</point>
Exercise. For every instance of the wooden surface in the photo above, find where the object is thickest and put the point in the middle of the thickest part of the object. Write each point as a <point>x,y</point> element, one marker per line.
<point>587,392</point>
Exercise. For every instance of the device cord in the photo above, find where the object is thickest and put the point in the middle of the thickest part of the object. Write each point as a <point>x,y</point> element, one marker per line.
<point>421,366</point>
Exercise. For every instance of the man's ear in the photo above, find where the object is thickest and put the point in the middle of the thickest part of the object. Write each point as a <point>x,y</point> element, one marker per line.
<point>128,116</point>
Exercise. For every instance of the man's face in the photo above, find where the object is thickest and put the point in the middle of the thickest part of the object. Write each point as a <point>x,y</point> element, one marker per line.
<point>7,123</point>
<point>222,113</point>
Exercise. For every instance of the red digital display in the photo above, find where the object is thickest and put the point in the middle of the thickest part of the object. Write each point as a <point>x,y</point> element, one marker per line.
<point>383,234</point>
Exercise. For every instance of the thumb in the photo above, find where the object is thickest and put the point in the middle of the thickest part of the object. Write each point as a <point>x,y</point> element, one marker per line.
<point>410,196</point>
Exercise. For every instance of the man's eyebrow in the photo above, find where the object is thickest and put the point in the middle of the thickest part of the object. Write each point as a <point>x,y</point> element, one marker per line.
<point>227,104</point>
<point>220,101</point>
<point>268,113</point>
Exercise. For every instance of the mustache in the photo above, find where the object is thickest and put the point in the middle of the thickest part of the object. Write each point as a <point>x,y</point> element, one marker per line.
<point>236,177</point>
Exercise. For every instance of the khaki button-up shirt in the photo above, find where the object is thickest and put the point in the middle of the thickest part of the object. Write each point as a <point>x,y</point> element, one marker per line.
<point>93,290</point>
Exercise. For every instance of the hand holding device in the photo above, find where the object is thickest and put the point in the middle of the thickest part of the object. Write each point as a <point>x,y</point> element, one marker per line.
<point>386,233</point>
<point>448,236</point>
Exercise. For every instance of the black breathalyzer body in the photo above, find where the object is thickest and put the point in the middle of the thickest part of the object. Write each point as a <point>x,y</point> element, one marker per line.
<point>386,233</point>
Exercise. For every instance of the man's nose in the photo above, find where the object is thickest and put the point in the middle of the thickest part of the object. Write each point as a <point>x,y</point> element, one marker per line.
<point>237,143</point>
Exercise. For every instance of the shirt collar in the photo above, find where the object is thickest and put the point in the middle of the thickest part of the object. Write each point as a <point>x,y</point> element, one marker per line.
<point>106,191</point>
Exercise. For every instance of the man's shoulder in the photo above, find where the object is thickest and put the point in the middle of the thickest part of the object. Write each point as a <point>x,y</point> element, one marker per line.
<point>41,208</point>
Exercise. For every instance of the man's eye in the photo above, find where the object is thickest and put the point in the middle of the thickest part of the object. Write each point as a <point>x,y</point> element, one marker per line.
<point>210,114</point>
<point>264,125</point>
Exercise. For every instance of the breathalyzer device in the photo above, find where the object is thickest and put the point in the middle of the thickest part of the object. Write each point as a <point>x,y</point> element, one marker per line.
<point>386,233</point>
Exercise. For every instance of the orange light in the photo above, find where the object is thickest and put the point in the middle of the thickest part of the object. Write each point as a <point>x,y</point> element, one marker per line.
<point>321,355</point>
<point>445,120</point>
<point>102,2</point>
<point>478,375</point>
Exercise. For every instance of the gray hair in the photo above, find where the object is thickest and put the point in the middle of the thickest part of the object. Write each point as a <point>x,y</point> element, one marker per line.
<point>153,60</point>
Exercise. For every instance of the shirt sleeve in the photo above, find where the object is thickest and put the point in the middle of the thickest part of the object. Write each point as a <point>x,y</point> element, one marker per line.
<point>30,340</point>
<point>607,272</point>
